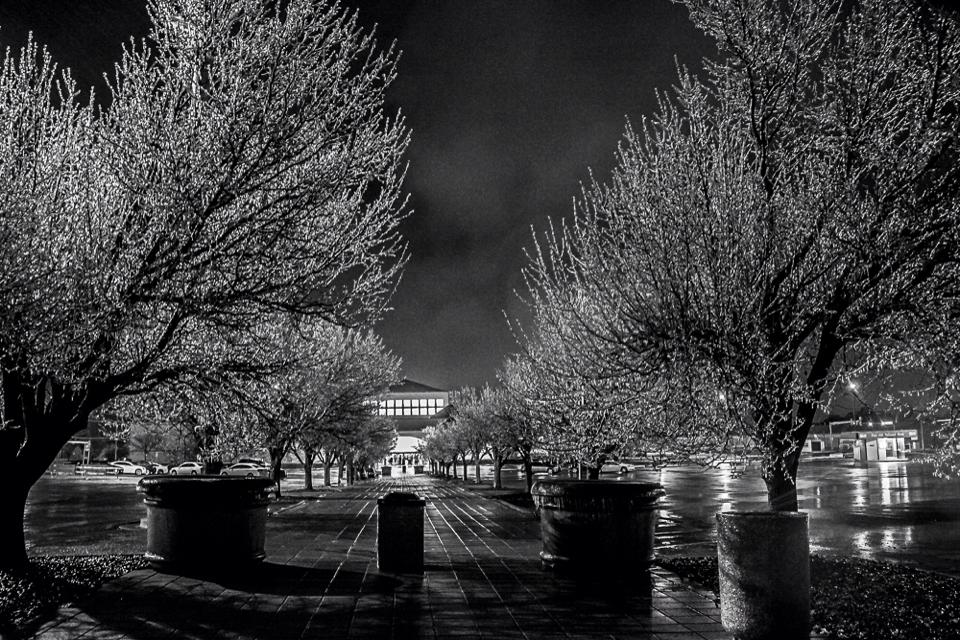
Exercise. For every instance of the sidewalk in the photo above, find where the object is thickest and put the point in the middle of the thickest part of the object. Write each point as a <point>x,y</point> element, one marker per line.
<point>482,580</point>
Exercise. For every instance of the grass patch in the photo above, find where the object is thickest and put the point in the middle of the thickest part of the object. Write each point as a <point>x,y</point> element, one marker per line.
<point>857,599</point>
<point>30,598</point>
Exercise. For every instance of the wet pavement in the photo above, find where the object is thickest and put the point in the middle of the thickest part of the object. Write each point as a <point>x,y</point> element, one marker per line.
<point>893,511</point>
<point>72,515</point>
<point>482,579</point>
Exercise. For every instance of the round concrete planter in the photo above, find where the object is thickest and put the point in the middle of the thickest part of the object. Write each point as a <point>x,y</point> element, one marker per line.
<point>205,522</point>
<point>764,561</point>
<point>596,526</point>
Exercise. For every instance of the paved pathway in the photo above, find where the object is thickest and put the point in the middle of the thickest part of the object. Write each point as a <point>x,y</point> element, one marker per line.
<point>482,580</point>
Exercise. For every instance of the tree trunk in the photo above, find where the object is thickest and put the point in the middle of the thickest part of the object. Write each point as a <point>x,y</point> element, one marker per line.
<point>276,462</point>
<point>13,502</point>
<point>463,459</point>
<point>781,494</point>
<point>782,487</point>
<point>340,472</point>
<point>476,465</point>
<point>27,448</point>
<point>497,464</point>
<point>308,470</point>
<point>350,472</point>
<point>527,467</point>
<point>327,467</point>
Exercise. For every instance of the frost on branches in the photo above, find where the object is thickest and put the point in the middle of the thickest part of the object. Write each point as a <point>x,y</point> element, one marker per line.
<point>315,393</point>
<point>798,204</point>
<point>476,424</point>
<point>242,169</point>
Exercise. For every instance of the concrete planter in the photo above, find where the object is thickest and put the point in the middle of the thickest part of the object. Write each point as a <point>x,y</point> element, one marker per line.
<point>764,560</point>
<point>418,469</point>
<point>386,471</point>
<point>203,523</point>
<point>597,526</point>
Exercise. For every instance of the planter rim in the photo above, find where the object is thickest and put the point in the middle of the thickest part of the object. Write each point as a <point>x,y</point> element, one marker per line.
<point>401,497</point>
<point>585,488</point>
<point>764,514</point>
<point>208,491</point>
<point>201,480</point>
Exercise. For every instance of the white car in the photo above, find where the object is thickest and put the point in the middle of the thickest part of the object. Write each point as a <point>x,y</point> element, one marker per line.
<point>125,467</point>
<point>618,467</point>
<point>246,469</point>
<point>156,467</point>
<point>187,469</point>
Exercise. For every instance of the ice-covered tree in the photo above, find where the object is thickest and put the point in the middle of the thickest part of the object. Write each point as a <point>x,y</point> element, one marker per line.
<point>797,206</point>
<point>342,395</point>
<point>438,446</point>
<point>582,416</point>
<point>242,168</point>
<point>324,378</point>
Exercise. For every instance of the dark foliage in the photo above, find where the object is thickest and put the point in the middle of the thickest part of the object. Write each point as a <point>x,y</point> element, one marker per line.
<point>857,599</point>
<point>27,599</point>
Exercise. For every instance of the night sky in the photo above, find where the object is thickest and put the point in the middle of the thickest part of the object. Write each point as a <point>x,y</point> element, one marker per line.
<point>511,103</point>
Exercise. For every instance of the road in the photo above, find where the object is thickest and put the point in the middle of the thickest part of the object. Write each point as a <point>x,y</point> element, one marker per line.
<point>890,511</point>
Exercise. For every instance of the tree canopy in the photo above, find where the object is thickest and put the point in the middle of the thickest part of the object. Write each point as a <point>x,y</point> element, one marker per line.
<point>795,207</point>
<point>241,170</point>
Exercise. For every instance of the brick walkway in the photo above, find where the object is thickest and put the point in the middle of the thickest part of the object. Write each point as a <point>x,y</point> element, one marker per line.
<point>482,580</point>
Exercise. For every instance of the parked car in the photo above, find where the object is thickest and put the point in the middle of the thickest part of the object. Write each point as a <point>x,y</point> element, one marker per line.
<point>618,467</point>
<point>155,467</point>
<point>187,469</point>
<point>126,467</point>
<point>247,469</point>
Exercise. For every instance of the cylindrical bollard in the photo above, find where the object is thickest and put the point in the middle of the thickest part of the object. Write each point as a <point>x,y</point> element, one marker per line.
<point>400,533</point>
<point>764,574</point>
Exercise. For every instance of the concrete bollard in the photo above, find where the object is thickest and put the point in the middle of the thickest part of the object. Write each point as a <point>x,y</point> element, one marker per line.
<point>400,533</point>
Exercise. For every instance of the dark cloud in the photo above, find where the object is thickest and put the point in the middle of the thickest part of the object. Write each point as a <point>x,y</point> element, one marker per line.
<point>510,102</point>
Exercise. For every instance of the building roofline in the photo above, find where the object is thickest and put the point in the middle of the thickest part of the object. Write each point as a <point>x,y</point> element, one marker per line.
<point>412,386</point>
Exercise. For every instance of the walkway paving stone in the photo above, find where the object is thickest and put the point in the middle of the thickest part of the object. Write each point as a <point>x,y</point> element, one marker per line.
<point>482,579</point>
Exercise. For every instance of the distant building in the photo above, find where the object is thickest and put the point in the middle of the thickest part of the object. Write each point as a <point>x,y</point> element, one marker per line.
<point>865,435</point>
<point>412,406</point>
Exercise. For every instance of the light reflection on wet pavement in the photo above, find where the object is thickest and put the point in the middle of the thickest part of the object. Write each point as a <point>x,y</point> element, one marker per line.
<point>70,515</point>
<point>893,511</point>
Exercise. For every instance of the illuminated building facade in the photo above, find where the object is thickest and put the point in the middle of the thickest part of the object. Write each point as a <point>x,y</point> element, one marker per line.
<point>412,406</point>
